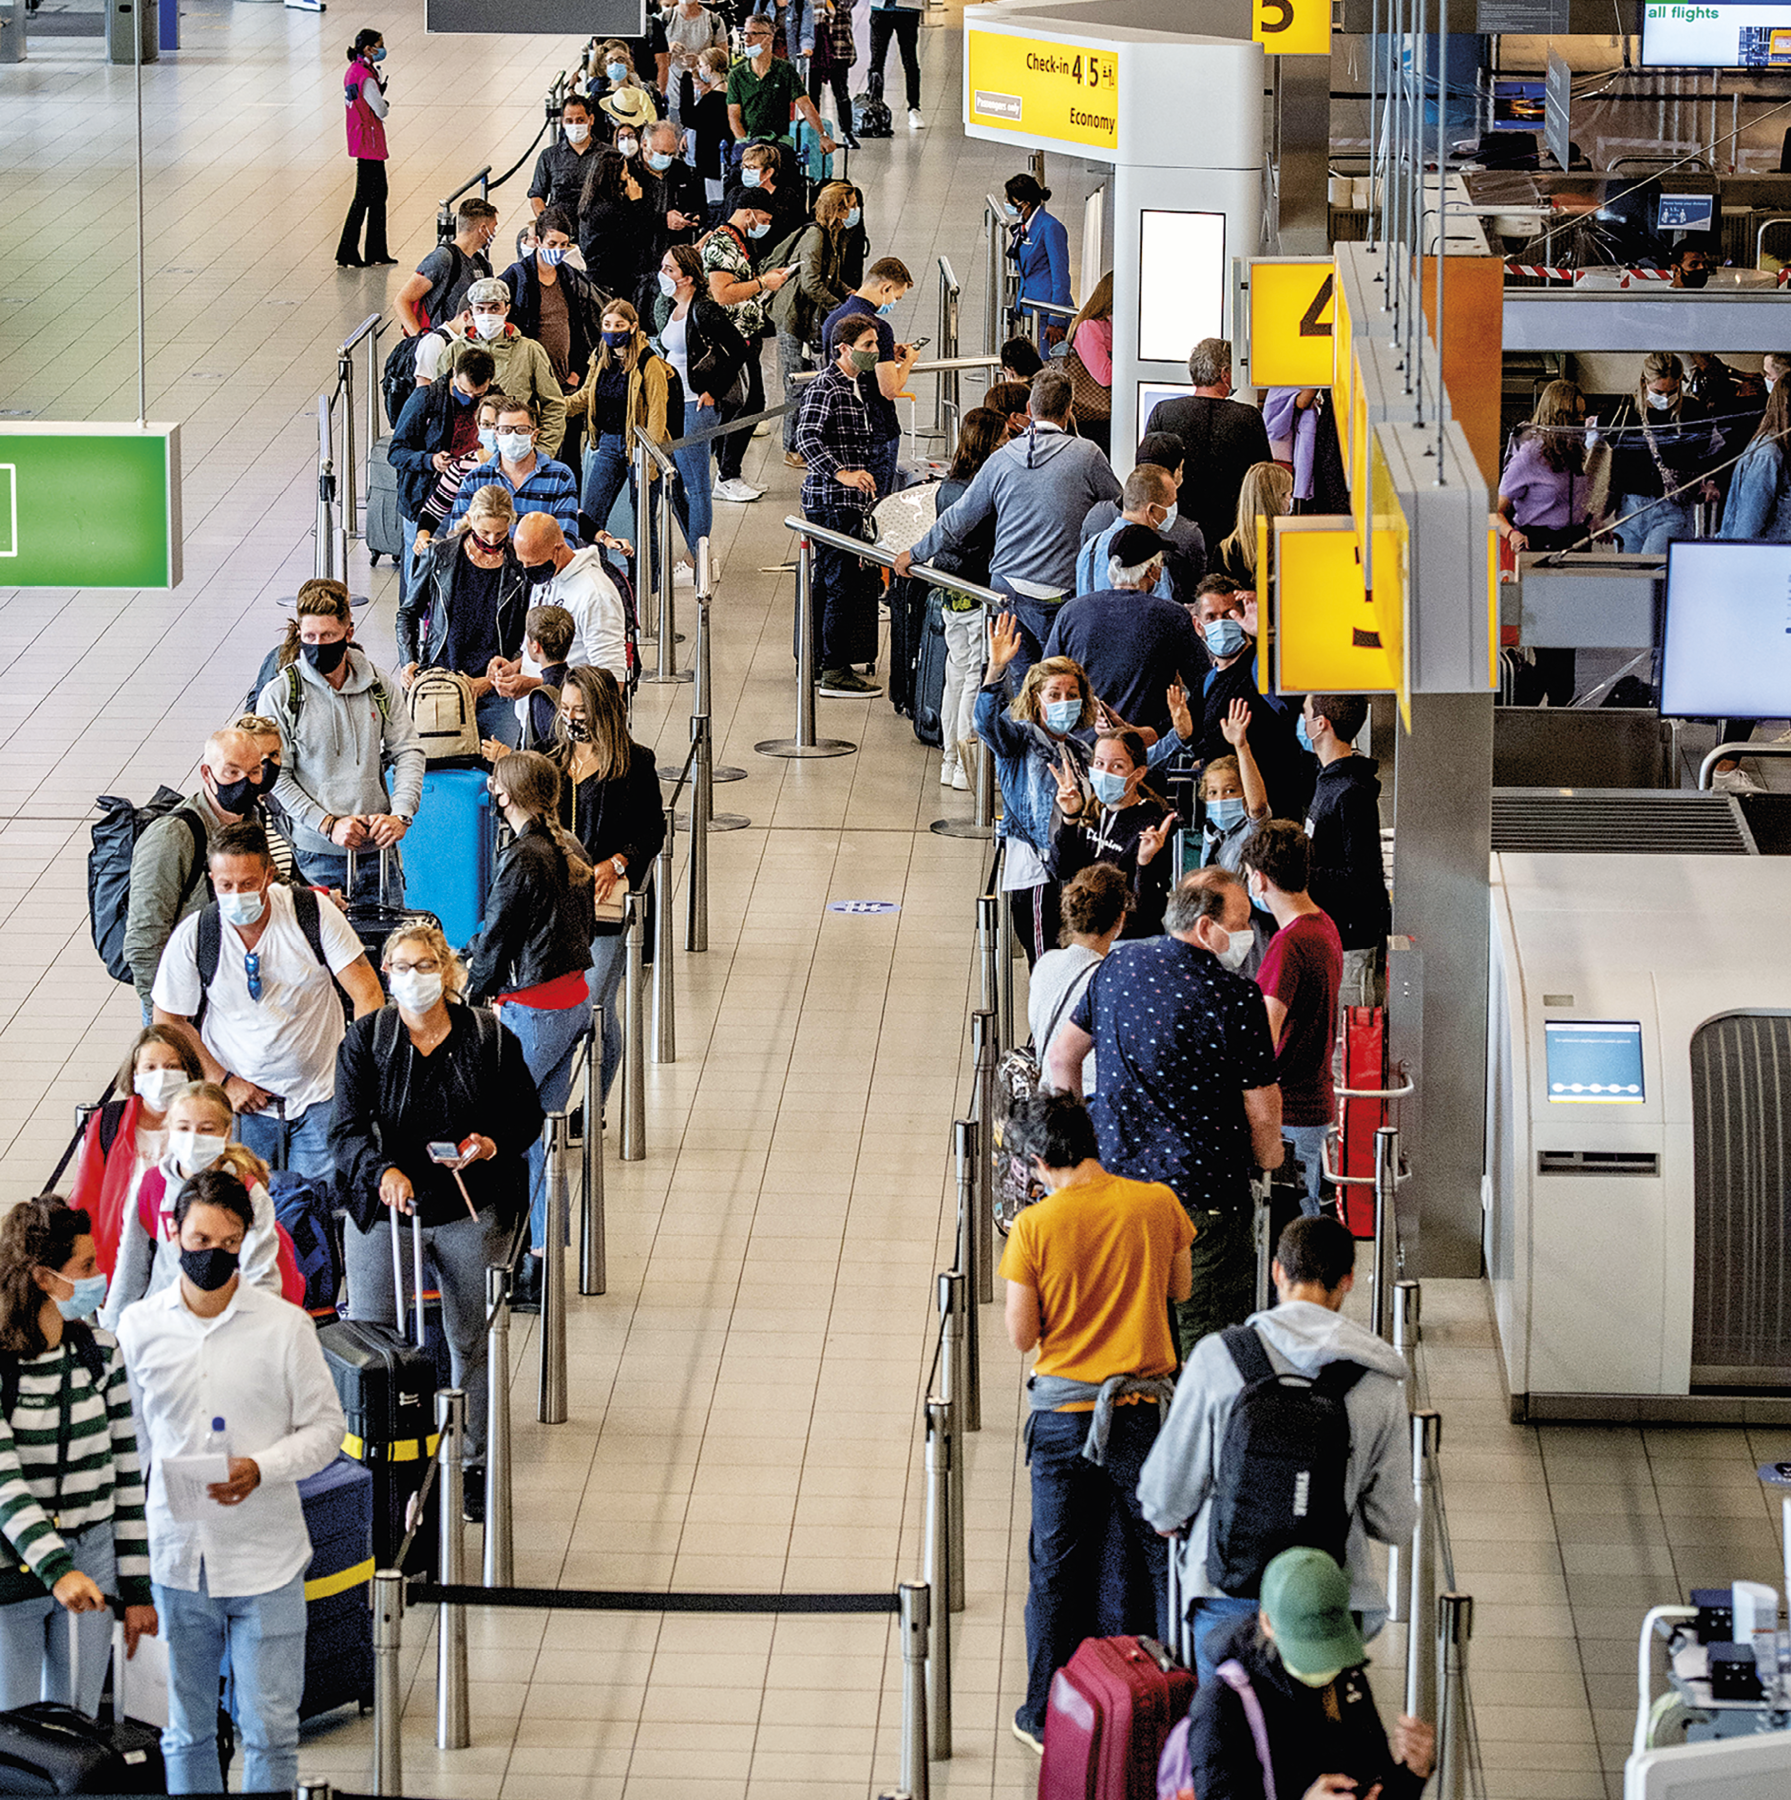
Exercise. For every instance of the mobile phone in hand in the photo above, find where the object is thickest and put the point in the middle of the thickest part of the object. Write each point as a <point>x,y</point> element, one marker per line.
<point>445,1153</point>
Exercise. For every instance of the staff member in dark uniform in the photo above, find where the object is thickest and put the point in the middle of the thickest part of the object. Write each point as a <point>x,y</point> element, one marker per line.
<point>560,169</point>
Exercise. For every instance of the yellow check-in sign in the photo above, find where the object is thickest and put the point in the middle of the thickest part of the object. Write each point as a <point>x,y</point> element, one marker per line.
<point>1042,88</point>
<point>1292,27</point>
<point>1293,317</point>
<point>1332,634</point>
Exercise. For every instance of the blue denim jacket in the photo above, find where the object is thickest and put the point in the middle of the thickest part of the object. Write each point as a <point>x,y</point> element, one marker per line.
<point>1023,756</point>
<point>1759,504</point>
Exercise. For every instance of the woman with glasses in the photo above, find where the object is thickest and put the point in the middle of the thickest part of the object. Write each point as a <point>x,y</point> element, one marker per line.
<point>429,1070</point>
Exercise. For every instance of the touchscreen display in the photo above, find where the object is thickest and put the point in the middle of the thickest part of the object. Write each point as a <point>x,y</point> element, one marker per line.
<point>1597,1062</point>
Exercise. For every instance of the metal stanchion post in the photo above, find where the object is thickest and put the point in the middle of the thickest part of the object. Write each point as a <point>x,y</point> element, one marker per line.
<point>373,431</point>
<point>645,610</point>
<point>804,744</point>
<point>953,1307</point>
<point>988,948</point>
<point>593,1237</point>
<point>665,664</point>
<point>1455,1625</point>
<point>1004,968</point>
<point>1386,1230</point>
<point>634,1040</point>
<point>1405,1328</point>
<point>701,700</point>
<point>452,1730</point>
<point>941,1456</point>
<point>351,477</point>
<point>964,1138</point>
<point>982,1036</point>
<point>696,877</point>
<point>323,563</point>
<point>915,1609</point>
<point>500,1537</point>
<point>665,1004</point>
<point>314,1790</point>
<point>550,1404</point>
<point>388,1683</point>
<point>1421,1612</point>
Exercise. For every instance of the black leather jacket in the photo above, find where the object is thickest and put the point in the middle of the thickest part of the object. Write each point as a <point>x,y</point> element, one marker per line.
<point>537,920</point>
<point>423,613</point>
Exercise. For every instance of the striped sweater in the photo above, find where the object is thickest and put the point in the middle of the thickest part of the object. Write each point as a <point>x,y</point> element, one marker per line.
<point>100,1479</point>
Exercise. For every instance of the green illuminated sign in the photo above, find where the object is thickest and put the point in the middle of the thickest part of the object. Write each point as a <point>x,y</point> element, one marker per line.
<point>86,506</point>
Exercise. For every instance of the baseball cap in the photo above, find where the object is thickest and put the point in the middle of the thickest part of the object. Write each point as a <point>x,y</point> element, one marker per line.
<point>1133,545</point>
<point>1306,1597</point>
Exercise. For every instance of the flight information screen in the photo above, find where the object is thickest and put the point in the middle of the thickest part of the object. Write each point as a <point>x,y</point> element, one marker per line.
<point>1596,1062</point>
<point>1680,36</point>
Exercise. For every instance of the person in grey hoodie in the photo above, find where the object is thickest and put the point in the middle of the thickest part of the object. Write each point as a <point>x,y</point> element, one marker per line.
<point>342,723</point>
<point>1313,1271</point>
<point>1039,488</point>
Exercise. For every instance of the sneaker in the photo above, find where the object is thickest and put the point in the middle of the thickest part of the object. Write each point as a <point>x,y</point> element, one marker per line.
<point>1736,781</point>
<point>1029,1738</point>
<point>947,773</point>
<point>917,123</point>
<point>741,492</point>
<point>847,684</point>
<point>959,779</point>
<point>762,429</point>
<point>472,1496</point>
<point>316,6</point>
<point>794,459</point>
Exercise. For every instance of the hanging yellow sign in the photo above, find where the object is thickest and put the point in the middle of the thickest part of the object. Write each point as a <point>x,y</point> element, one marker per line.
<point>1292,27</point>
<point>1042,88</point>
<point>1333,636</point>
<point>1292,321</point>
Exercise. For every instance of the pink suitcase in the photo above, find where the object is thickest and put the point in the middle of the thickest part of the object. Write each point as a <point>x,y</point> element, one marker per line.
<point>1111,1709</point>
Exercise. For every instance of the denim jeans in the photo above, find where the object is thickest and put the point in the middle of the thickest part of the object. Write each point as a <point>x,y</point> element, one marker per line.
<point>1073,1504</point>
<point>694,503</point>
<point>1210,1620</point>
<point>1308,1142</point>
<point>608,958</point>
<point>331,871</point>
<point>884,458</point>
<point>265,1637</point>
<point>548,1036</point>
<point>300,1144</point>
<point>1656,523</point>
<point>792,355</point>
<point>409,556</point>
<point>1224,1277</point>
<point>607,472</point>
<point>34,1635</point>
<point>1034,618</point>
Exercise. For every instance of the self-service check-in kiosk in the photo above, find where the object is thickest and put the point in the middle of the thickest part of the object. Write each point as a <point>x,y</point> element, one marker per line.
<point>1639,1135</point>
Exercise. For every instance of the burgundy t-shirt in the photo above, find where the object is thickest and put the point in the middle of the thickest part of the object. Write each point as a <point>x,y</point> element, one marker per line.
<point>1303,969</point>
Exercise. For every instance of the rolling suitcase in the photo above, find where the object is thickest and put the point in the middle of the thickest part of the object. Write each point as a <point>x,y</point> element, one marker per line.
<point>929,673</point>
<point>1364,1067</point>
<point>386,1383</point>
<point>338,1503</point>
<point>907,621</point>
<point>383,527</point>
<point>1111,1709</point>
<point>448,851</point>
<point>48,1748</point>
<point>373,920</point>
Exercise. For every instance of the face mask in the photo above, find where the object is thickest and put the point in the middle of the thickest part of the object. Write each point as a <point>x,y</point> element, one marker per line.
<point>1240,945</point>
<point>540,572</point>
<point>1660,402</point>
<point>156,1087</point>
<point>755,51</point>
<point>378,55</point>
<point>1694,278</point>
<point>1109,787</point>
<point>90,1290</point>
<point>488,439</point>
<point>864,360</point>
<point>628,146</point>
<point>235,796</point>
<point>1227,814</point>
<point>552,254</point>
<point>270,777</point>
<point>1225,637</point>
<point>242,909</point>
<point>578,134</point>
<point>888,306</point>
<point>853,215</point>
<point>576,729</point>
<point>1061,715</point>
<point>488,325</point>
<point>460,399</point>
<point>616,71</point>
<point>325,658</point>
<point>749,177</point>
<point>195,1150</point>
<point>1259,898</point>
<point>513,446</point>
<point>658,161</point>
<point>1305,736</point>
<point>415,991</point>
<point>209,1270</point>
<point>617,340</point>
<point>493,544</point>
<point>668,284</point>
<point>1170,516</point>
<point>758,231</point>
<point>1314,1681</point>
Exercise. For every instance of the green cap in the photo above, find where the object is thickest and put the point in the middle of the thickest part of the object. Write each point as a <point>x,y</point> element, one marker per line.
<point>1306,1597</point>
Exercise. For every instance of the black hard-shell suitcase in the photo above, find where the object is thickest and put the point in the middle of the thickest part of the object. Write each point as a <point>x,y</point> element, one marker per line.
<point>383,526</point>
<point>907,620</point>
<point>51,1749</point>
<point>929,673</point>
<point>338,1503</point>
<point>373,921</point>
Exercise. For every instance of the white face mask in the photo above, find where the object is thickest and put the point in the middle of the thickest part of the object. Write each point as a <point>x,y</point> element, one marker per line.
<point>1240,945</point>
<point>1771,381</point>
<point>578,134</point>
<point>628,145</point>
<point>157,1087</point>
<point>415,991</point>
<point>668,284</point>
<point>1660,402</point>
<point>488,325</point>
<point>513,446</point>
<point>1170,516</point>
<point>195,1150</point>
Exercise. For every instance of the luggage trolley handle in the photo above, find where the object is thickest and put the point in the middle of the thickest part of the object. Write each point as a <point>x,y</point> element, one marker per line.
<point>385,874</point>
<point>416,1261</point>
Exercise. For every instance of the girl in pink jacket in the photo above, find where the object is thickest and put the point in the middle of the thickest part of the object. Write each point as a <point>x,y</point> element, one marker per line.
<point>365,97</point>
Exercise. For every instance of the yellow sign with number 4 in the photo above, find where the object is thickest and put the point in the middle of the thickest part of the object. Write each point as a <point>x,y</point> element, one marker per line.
<point>1292,27</point>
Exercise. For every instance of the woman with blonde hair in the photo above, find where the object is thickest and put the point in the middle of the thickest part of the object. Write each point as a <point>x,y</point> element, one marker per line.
<point>801,304</point>
<point>430,1069</point>
<point>1090,364</point>
<point>1663,442</point>
<point>1267,493</point>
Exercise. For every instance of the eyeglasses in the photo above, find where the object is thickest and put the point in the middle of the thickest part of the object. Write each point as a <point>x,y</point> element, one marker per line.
<point>252,969</point>
<point>428,966</point>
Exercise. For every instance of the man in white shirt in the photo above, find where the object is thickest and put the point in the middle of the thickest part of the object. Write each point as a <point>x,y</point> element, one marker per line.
<point>218,1367</point>
<point>579,583</point>
<point>250,981</point>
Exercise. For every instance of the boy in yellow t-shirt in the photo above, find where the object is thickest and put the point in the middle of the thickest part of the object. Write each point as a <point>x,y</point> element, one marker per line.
<point>1090,1272</point>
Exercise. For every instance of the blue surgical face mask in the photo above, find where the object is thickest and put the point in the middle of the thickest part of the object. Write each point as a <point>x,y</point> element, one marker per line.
<point>758,231</point>
<point>1061,715</point>
<point>89,1292</point>
<point>887,307</point>
<point>1109,787</point>
<point>1226,814</point>
<point>488,439</point>
<point>1226,637</point>
<point>749,177</point>
<point>378,55</point>
<point>242,909</point>
<point>616,71</point>
<point>1304,735</point>
<point>659,161</point>
<point>853,216</point>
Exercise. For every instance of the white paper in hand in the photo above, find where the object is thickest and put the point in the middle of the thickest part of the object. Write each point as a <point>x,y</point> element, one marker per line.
<point>185,1479</point>
<point>140,1682</point>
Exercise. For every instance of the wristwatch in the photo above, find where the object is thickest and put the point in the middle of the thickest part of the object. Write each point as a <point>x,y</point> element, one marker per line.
<point>620,865</point>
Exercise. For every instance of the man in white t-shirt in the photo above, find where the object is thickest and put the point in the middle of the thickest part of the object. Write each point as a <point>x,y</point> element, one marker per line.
<point>578,583</point>
<point>251,981</point>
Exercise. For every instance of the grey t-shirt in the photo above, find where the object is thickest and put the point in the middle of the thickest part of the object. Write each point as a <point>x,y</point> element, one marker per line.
<point>1058,978</point>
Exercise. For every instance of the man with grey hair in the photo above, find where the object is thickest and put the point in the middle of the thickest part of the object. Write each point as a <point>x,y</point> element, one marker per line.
<point>1133,640</point>
<point>674,190</point>
<point>1038,488</point>
<point>524,369</point>
<point>1221,437</point>
<point>1148,499</point>
<point>1193,1102</point>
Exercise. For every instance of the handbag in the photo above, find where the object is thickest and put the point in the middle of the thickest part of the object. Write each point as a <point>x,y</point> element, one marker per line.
<point>1088,399</point>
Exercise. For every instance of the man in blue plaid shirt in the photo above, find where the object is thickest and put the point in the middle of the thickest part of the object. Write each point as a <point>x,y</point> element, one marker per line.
<point>536,483</point>
<point>835,439</point>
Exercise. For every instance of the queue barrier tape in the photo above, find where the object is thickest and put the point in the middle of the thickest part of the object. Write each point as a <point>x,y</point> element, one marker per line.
<point>539,1599</point>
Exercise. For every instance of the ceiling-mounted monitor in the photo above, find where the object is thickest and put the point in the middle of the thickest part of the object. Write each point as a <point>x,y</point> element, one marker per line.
<point>1719,36</point>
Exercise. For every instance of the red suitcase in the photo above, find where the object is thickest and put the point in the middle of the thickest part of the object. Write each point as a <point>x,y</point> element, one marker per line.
<point>1364,1066</point>
<point>1111,1708</point>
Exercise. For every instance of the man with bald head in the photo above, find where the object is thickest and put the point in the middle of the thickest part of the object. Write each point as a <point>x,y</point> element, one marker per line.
<point>168,864</point>
<point>576,580</point>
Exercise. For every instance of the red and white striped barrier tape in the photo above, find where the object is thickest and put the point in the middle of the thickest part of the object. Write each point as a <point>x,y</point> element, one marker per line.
<point>1629,277</point>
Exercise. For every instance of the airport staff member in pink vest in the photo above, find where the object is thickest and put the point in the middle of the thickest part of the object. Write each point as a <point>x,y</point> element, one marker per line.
<point>365,96</point>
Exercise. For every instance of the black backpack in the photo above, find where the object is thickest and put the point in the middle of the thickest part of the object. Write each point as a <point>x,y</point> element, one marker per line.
<point>870,111</point>
<point>210,945</point>
<point>1281,1467</point>
<point>115,838</point>
<point>398,380</point>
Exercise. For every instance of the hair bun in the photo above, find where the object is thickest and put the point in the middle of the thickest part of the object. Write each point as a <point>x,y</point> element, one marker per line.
<point>1044,195</point>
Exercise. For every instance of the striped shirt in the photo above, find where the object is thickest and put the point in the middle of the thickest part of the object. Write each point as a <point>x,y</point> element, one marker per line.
<point>99,1481</point>
<point>548,488</point>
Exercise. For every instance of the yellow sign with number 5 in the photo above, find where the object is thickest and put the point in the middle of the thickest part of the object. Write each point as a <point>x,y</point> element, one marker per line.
<point>1292,27</point>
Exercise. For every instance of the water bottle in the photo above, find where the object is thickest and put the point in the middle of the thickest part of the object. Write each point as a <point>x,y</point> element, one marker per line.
<point>216,1444</point>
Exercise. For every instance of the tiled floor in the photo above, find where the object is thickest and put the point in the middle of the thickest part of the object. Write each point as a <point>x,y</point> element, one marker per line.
<point>744,1401</point>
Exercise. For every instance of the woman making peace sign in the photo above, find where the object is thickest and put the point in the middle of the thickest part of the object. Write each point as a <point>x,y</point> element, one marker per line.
<point>1124,824</point>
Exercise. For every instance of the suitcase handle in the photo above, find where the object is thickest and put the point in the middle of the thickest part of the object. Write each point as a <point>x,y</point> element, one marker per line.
<point>385,858</point>
<point>415,1331</point>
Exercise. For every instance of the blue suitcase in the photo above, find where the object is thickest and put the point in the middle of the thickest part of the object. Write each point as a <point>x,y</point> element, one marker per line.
<point>448,851</point>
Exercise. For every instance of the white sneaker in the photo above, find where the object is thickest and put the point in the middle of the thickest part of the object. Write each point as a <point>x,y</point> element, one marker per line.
<point>740,492</point>
<point>959,779</point>
<point>762,429</point>
<point>1736,781</point>
<point>684,575</point>
<point>316,6</point>
<point>915,121</point>
<point>947,773</point>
